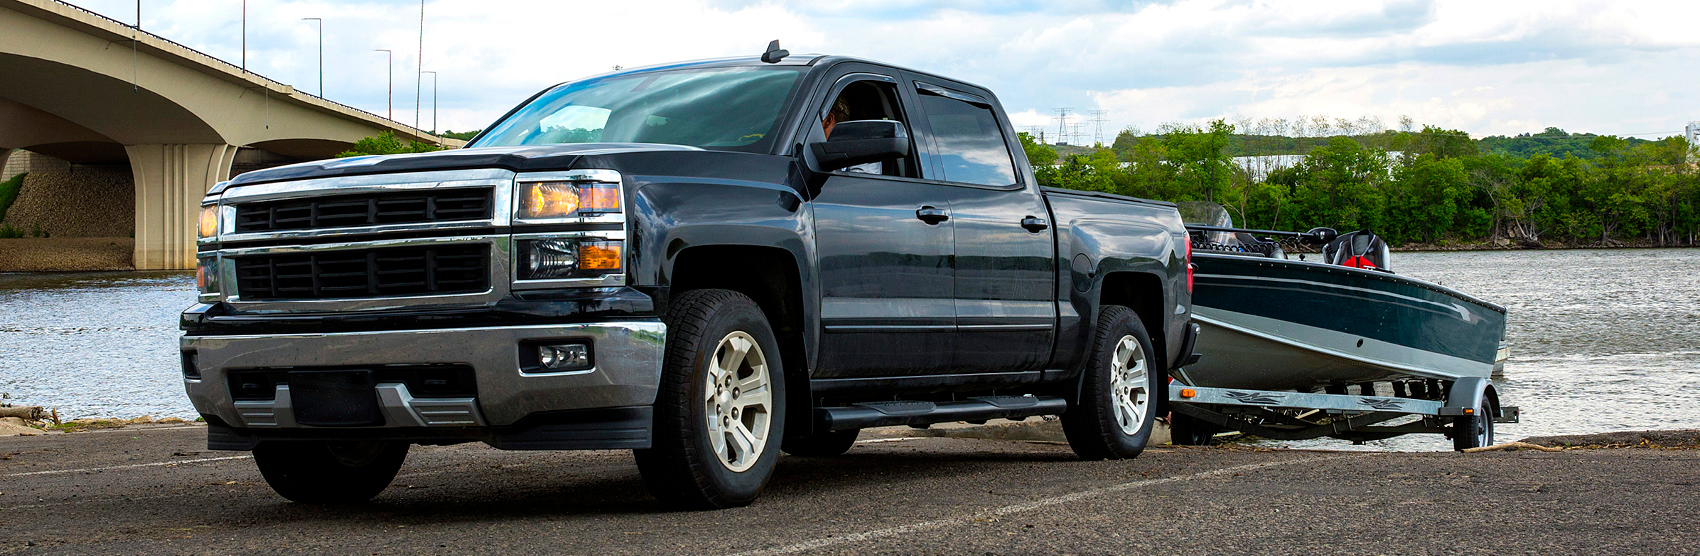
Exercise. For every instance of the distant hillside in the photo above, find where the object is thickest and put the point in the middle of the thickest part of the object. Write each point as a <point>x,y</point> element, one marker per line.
<point>1553,142</point>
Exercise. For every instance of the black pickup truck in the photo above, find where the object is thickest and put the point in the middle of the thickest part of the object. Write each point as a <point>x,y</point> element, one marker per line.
<point>706,263</point>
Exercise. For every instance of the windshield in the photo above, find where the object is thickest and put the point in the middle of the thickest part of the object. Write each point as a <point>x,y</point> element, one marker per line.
<point>716,108</point>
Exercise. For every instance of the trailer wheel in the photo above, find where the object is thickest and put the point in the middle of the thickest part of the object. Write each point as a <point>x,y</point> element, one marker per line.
<point>1474,431</point>
<point>822,444</point>
<point>329,472</point>
<point>1114,417</point>
<point>1189,431</point>
<point>720,411</point>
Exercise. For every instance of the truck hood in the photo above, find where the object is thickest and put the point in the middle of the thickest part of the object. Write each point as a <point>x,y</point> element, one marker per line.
<point>519,159</point>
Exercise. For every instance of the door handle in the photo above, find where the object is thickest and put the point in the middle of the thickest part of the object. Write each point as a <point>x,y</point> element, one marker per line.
<point>932,215</point>
<point>1035,224</point>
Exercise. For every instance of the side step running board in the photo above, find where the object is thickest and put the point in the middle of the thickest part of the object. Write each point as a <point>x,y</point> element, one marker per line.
<point>885,414</point>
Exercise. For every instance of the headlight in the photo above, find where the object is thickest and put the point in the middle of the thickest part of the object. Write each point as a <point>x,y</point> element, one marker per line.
<point>557,259</point>
<point>547,200</point>
<point>206,275</point>
<point>209,222</point>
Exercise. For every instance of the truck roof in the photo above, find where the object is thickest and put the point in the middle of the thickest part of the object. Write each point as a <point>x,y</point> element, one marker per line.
<point>792,60</point>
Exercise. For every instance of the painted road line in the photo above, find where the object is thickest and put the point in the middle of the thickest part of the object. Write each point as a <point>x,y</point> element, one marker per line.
<point>92,469</point>
<point>873,440</point>
<point>924,526</point>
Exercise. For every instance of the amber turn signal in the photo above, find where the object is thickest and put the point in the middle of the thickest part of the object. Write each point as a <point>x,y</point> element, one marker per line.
<point>599,255</point>
<point>1188,393</point>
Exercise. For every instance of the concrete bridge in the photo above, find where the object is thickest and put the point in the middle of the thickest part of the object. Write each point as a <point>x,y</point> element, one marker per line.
<point>88,89</point>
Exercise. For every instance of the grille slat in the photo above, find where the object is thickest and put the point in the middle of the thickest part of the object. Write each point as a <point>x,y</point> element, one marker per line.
<point>365,273</point>
<point>344,211</point>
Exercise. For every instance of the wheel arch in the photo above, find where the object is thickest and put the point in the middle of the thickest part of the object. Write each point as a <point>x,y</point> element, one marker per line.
<point>772,277</point>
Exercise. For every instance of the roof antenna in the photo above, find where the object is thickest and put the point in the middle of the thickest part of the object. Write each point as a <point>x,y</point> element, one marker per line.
<point>774,54</point>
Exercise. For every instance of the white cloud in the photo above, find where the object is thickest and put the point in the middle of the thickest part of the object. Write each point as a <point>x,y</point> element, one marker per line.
<point>1502,66</point>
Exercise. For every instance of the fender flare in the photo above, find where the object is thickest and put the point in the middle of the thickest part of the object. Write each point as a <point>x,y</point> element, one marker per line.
<point>1471,392</point>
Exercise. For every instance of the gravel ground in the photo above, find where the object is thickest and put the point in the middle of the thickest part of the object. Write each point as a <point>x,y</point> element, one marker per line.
<point>89,201</point>
<point>154,490</point>
<point>66,254</point>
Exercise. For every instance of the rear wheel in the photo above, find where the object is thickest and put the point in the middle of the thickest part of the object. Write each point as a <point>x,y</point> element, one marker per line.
<point>720,411</point>
<point>1474,431</point>
<point>821,445</point>
<point>329,472</point>
<point>1113,419</point>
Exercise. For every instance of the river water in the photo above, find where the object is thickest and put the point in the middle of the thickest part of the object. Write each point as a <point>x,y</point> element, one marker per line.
<point>1601,340</point>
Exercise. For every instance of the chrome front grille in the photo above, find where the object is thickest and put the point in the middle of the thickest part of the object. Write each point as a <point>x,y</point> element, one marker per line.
<point>360,273</point>
<point>347,211</point>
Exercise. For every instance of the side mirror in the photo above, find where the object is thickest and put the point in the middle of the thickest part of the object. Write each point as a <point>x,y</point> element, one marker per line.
<point>1319,236</point>
<point>861,142</point>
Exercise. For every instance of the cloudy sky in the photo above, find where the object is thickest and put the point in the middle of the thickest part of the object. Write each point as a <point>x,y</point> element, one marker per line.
<point>1484,66</point>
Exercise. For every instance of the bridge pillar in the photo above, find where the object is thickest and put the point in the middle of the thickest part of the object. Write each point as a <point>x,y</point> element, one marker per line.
<point>5,156</point>
<point>170,182</point>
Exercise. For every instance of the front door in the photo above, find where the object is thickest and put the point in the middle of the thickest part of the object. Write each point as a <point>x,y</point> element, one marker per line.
<point>884,239</point>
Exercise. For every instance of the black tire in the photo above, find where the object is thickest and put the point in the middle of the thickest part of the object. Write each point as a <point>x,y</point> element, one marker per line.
<point>329,472</point>
<point>821,445</point>
<point>1474,431</point>
<point>682,466</point>
<point>1092,426</point>
<point>1187,431</point>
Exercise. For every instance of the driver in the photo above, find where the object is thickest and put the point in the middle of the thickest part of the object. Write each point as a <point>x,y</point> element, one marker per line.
<point>841,113</point>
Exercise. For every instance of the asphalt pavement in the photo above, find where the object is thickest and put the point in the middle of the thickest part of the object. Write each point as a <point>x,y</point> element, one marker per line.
<point>156,490</point>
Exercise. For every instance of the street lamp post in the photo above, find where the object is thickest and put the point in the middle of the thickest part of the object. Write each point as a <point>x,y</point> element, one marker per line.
<point>433,101</point>
<point>419,78</point>
<point>321,53</point>
<point>391,97</point>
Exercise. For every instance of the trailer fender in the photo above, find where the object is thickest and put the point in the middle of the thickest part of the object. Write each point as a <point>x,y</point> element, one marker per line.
<point>1470,393</point>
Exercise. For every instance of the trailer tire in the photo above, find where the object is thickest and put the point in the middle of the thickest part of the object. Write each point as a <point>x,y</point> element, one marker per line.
<point>1474,431</point>
<point>329,472</point>
<point>1189,431</point>
<point>822,444</point>
<point>719,416</point>
<point>1114,415</point>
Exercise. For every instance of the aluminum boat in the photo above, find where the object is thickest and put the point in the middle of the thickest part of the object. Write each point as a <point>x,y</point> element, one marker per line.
<point>1326,320</point>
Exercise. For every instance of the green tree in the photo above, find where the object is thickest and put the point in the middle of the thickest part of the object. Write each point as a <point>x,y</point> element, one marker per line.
<point>1038,154</point>
<point>386,143</point>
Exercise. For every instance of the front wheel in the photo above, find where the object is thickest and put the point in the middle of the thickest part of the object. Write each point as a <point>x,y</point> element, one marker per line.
<point>1114,419</point>
<point>720,411</point>
<point>329,472</point>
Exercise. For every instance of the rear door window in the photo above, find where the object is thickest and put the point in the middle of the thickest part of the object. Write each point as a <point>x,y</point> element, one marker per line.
<point>967,140</point>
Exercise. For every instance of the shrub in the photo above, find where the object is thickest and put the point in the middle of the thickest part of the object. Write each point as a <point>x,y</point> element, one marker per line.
<point>9,193</point>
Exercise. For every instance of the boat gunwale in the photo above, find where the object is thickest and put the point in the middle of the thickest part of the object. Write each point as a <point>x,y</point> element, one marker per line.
<point>1350,271</point>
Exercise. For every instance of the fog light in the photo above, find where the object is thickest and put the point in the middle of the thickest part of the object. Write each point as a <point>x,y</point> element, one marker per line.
<point>569,356</point>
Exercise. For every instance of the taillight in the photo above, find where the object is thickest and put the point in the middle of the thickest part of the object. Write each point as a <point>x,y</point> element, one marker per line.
<point>1189,266</point>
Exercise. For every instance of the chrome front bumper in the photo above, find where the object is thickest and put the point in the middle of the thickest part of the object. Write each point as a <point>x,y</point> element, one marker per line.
<point>627,355</point>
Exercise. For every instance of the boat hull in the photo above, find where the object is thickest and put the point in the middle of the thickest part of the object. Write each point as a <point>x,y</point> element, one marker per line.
<point>1274,324</point>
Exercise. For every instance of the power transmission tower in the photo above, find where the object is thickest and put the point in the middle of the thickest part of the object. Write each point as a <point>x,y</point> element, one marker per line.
<point>1098,120</point>
<point>1075,133</point>
<point>1062,125</point>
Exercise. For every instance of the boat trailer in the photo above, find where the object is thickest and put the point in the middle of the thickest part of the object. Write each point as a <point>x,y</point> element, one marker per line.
<point>1290,415</point>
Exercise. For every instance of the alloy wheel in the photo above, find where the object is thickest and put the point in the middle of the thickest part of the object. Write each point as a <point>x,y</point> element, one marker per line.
<point>1130,385</point>
<point>739,401</point>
